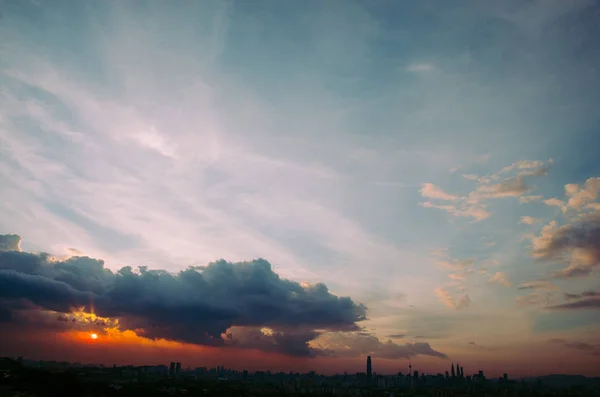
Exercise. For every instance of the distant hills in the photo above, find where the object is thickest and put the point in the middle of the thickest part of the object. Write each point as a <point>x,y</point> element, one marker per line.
<point>557,380</point>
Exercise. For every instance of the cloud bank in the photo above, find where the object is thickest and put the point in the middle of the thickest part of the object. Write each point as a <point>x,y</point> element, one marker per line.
<point>243,305</point>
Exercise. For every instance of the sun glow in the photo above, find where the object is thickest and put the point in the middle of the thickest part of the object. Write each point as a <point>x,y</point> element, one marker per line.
<point>94,336</point>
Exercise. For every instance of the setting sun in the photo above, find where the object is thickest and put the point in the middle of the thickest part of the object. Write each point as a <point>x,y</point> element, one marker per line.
<point>94,336</point>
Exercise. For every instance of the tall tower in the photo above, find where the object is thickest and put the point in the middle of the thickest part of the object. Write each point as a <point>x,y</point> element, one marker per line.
<point>452,371</point>
<point>369,368</point>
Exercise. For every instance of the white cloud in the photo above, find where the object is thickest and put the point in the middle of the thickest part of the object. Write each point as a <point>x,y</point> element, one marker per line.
<point>500,278</point>
<point>429,190</point>
<point>528,220</point>
<point>579,197</point>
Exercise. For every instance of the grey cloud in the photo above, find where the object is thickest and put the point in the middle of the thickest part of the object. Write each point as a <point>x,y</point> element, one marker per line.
<point>572,272</point>
<point>537,285</point>
<point>396,336</point>
<point>472,343</point>
<point>581,239</point>
<point>10,242</point>
<point>352,344</point>
<point>581,346</point>
<point>292,342</point>
<point>512,187</point>
<point>41,291</point>
<point>589,303</point>
<point>585,294</point>
<point>464,302</point>
<point>196,305</point>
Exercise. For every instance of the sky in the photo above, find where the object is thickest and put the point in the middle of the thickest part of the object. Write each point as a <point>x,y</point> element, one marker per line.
<point>296,185</point>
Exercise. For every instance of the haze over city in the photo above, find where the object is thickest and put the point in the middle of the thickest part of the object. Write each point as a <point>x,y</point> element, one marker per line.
<point>297,185</point>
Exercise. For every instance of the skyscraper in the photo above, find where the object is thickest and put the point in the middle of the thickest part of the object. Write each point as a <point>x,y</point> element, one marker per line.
<point>369,369</point>
<point>452,371</point>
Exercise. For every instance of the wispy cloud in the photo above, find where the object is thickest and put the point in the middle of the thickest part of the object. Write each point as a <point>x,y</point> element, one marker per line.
<point>593,349</point>
<point>420,67</point>
<point>445,297</point>
<point>473,204</point>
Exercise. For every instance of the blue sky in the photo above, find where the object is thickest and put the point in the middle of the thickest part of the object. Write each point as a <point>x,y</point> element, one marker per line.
<point>388,149</point>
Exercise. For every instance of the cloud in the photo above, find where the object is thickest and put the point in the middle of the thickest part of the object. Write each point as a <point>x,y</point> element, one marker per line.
<point>447,299</point>
<point>528,167</point>
<point>530,199</point>
<point>585,300</point>
<point>541,293</point>
<point>513,187</point>
<point>478,213</point>
<point>588,303</point>
<point>196,305</point>
<point>429,190</point>
<point>10,242</point>
<point>472,343</point>
<point>291,341</point>
<point>464,302</point>
<point>537,285</point>
<point>528,220</point>
<point>354,344</point>
<point>554,202</point>
<point>533,299</point>
<point>593,349</point>
<point>579,197</point>
<point>456,264</point>
<point>473,205</point>
<point>396,336</point>
<point>500,278</point>
<point>577,244</point>
<point>585,294</point>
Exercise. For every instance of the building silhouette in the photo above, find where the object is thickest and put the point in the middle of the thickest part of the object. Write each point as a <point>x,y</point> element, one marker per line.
<point>369,369</point>
<point>177,368</point>
<point>172,368</point>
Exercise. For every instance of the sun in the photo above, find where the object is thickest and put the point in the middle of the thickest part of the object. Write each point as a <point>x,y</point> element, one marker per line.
<point>94,336</point>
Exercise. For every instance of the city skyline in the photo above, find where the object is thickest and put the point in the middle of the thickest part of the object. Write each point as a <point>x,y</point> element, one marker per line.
<point>302,185</point>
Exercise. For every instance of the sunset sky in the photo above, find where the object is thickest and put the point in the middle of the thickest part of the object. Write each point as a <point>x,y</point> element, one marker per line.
<point>295,185</point>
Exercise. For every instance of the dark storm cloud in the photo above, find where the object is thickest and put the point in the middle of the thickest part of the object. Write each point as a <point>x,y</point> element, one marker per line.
<point>291,342</point>
<point>40,290</point>
<point>196,305</point>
